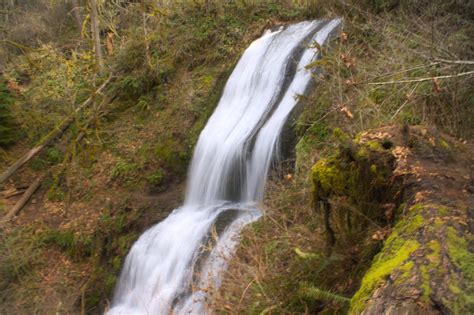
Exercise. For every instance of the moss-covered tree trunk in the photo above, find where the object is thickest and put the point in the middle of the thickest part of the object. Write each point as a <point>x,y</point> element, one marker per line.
<point>426,264</point>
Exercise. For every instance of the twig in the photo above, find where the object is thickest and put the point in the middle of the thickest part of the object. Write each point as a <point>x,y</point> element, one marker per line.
<point>11,194</point>
<point>404,103</point>
<point>243,293</point>
<point>457,62</point>
<point>17,45</point>
<point>425,79</point>
<point>397,72</point>
<point>269,309</point>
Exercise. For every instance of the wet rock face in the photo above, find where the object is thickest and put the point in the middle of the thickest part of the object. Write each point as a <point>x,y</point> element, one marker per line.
<point>426,263</point>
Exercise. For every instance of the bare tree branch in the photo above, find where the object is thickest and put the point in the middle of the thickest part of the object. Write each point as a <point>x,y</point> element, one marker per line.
<point>462,74</point>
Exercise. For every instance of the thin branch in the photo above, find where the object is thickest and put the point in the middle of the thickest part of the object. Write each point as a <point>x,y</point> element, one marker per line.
<point>404,103</point>
<point>388,74</point>
<point>17,45</point>
<point>425,79</point>
<point>457,62</point>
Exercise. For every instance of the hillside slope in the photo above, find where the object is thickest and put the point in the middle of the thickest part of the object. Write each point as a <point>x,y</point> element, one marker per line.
<point>121,165</point>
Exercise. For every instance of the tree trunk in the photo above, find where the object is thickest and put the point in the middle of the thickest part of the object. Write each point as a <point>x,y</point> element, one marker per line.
<point>426,264</point>
<point>96,35</point>
<point>76,10</point>
<point>145,34</point>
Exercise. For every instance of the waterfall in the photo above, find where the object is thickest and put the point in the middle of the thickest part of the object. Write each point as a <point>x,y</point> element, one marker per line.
<point>172,263</point>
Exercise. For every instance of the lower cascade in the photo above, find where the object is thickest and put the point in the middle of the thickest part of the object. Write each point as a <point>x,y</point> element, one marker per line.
<point>170,267</point>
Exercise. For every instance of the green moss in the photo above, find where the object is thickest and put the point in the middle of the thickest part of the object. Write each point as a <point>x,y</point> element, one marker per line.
<point>425,282</point>
<point>416,207</point>
<point>458,251</point>
<point>410,224</point>
<point>395,253</point>
<point>362,153</point>
<point>406,272</point>
<point>373,168</point>
<point>374,145</point>
<point>434,255</point>
<point>327,177</point>
<point>340,135</point>
<point>463,258</point>
<point>444,145</point>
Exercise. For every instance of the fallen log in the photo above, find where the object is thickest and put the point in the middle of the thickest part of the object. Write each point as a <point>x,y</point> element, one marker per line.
<point>23,200</point>
<point>52,135</point>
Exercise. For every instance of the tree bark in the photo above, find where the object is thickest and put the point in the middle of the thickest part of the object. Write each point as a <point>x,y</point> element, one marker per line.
<point>425,266</point>
<point>96,35</point>
<point>76,10</point>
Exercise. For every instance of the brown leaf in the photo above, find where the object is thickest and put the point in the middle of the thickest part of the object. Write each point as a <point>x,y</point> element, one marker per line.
<point>349,82</point>
<point>436,88</point>
<point>389,209</point>
<point>343,36</point>
<point>347,112</point>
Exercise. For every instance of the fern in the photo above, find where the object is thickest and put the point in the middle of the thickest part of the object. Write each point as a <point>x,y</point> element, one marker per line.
<point>311,292</point>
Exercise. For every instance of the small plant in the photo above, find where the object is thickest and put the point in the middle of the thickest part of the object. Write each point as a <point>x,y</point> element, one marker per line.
<point>123,169</point>
<point>144,102</point>
<point>155,178</point>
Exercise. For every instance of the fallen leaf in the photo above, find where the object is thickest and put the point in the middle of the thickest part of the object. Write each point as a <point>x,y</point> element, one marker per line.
<point>343,36</point>
<point>347,112</point>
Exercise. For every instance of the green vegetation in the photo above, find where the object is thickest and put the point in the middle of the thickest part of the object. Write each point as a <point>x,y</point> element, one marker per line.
<point>463,257</point>
<point>8,125</point>
<point>383,265</point>
<point>120,165</point>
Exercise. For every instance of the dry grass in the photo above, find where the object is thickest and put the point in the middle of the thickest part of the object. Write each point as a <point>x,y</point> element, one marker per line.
<point>279,256</point>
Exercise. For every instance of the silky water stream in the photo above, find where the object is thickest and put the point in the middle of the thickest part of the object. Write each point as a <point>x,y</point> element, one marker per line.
<point>172,261</point>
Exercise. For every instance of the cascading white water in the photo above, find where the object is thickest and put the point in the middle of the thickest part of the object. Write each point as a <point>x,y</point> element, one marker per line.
<point>168,266</point>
